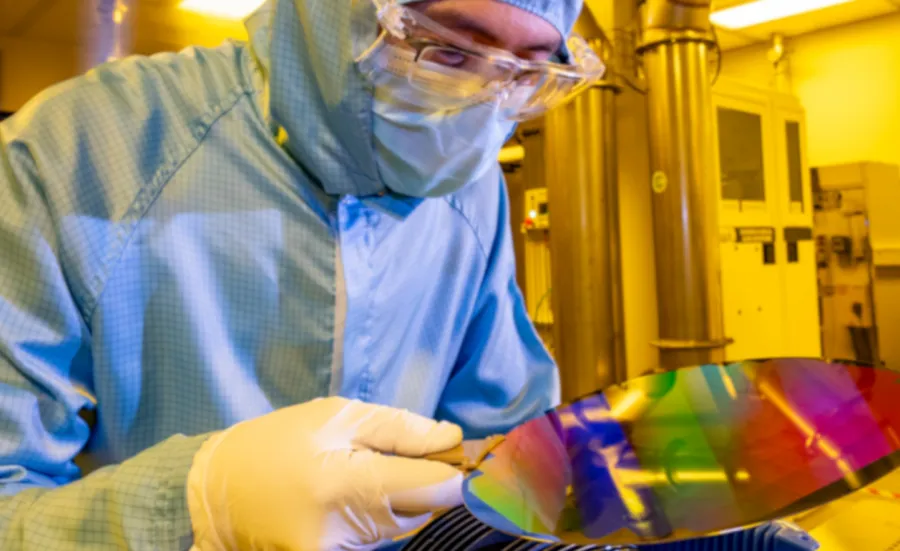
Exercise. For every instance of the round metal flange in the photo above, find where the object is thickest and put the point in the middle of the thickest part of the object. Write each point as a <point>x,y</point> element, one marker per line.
<point>655,37</point>
<point>673,344</point>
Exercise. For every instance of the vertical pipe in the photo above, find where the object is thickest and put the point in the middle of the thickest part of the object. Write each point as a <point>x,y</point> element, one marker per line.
<point>778,55</point>
<point>582,187</point>
<point>616,286</point>
<point>515,187</point>
<point>108,31</point>
<point>685,219</point>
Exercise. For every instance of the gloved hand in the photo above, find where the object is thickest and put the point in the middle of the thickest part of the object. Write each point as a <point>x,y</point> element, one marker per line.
<point>319,476</point>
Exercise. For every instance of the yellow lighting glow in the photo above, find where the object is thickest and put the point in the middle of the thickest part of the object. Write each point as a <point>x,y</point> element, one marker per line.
<point>649,478</point>
<point>223,9</point>
<point>763,11</point>
<point>629,400</point>
<point>729,384</point>
<point>512,154</point>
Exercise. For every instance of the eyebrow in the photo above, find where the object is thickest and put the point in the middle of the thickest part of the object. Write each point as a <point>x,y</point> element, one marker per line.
<point>458,20</point>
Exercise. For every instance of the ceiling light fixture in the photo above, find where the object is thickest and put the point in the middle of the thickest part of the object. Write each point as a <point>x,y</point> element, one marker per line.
<point>223,9</point>
<point>763,11</point>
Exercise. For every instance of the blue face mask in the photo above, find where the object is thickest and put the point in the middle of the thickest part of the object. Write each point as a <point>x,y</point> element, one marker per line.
<point>430,154</point>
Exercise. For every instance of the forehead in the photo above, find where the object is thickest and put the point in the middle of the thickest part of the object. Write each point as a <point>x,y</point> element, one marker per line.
<point>494,23</point>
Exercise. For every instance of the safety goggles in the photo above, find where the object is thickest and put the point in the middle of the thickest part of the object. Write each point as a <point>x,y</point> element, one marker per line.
<point>431,67</point>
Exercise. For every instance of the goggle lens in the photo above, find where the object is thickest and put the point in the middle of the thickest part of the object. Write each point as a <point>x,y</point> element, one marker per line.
<point>451,76</point>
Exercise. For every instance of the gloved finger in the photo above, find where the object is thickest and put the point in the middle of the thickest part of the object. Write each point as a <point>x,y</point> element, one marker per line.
<point>407,526</point>
<point>400,432</point>
<point>392,532</point>
<point>416,487</point>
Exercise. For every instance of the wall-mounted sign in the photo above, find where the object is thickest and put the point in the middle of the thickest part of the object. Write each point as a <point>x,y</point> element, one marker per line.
<point>755,235</point>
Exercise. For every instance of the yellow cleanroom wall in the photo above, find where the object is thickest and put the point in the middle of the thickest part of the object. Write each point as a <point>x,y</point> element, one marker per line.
<point>848,80</point>
<point>27,67</point>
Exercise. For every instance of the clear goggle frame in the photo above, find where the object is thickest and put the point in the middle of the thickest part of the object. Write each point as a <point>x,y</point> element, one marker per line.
<point>448,71</point>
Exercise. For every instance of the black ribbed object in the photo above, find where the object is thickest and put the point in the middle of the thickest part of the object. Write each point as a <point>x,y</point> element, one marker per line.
<point>775,536</point>
<point>460,531</point>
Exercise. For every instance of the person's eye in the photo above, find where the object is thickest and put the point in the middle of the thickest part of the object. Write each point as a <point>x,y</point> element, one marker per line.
<point>447,57</point>
<point>542,56</point>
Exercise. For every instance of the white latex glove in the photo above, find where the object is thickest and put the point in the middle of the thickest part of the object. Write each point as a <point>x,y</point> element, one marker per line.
<point>318,476</point>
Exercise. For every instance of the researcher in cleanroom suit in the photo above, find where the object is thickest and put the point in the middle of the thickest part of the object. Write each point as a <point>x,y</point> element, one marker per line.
<point>245,290</point>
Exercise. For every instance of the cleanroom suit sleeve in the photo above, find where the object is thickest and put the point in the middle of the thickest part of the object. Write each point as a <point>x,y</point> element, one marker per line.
<point>504,375</point>
<point>45,366</point>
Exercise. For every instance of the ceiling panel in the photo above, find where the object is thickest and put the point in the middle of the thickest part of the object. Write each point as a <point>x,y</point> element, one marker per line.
<point>842,14</point>
<point>161,22</point>
<point>729,40</point>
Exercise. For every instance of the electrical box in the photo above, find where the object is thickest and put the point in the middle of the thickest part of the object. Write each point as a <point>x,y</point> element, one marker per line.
<point>538,283</point>
<point>768,254</point>
<point>858,260</point>
<point>537,210</point>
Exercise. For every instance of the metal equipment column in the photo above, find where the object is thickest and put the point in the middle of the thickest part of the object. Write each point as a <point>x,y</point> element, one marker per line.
<point>108,31</point>
<point>677,37</point>
<point>582,182</point>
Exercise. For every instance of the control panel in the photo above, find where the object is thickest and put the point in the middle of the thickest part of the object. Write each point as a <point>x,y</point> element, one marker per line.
<point>537,210</point>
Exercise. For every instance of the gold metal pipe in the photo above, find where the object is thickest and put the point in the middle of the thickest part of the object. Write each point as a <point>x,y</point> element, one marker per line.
<point>677,36</point>
<point>584,242</point>
<point>107,31</point>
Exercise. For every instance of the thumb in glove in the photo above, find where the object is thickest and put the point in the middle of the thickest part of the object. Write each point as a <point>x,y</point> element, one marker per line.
<point>328,474</point>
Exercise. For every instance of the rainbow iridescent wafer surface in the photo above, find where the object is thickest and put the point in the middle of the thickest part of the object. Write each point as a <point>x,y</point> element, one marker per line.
<point>692,453</point>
